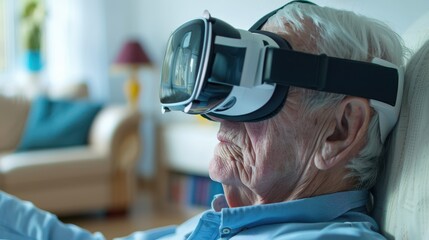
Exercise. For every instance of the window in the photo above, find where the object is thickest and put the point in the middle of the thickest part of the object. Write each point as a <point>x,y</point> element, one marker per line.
<point>3,57</point>
<point>7,36</point>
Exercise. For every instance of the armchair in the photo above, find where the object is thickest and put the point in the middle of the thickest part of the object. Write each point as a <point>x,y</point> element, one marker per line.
<point>72,180</point>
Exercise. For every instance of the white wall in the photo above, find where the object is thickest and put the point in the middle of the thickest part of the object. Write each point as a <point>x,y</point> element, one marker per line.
<point>76,46</point>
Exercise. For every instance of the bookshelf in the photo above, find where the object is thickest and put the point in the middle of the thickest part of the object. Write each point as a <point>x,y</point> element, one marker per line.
<point>185,150</point>
<point>188,190</point>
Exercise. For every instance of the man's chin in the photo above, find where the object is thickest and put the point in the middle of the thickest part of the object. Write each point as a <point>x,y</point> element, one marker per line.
<point>217,171</point>
<point>214,170</point>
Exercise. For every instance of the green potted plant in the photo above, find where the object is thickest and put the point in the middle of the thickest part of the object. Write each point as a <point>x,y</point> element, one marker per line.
<point>32,18</point>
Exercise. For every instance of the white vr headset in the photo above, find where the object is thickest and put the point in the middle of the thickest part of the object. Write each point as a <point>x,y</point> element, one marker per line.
<point>211,68</point>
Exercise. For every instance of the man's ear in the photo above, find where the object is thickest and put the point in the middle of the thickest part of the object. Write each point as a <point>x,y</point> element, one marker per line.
<point>346,134</point>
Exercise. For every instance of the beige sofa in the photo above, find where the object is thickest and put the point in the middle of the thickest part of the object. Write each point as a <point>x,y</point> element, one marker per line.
<point>402,192</point>
<point>72,180</point>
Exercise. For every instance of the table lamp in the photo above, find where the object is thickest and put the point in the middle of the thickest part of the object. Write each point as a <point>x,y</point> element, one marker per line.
<point>132,57</point>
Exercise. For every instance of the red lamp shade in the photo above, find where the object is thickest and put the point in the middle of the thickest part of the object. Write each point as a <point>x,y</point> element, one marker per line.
<point>132,53</point>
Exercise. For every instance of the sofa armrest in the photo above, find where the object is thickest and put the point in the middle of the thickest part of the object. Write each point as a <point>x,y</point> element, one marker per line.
<point>115,132</point>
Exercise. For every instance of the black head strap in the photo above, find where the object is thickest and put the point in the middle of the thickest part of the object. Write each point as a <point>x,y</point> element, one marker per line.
<point>330,74</point>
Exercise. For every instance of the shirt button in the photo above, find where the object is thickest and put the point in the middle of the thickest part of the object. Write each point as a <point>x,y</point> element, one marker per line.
<point>226,230</point>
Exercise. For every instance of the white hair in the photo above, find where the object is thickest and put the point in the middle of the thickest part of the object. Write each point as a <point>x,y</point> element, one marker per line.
<point>342,34</point>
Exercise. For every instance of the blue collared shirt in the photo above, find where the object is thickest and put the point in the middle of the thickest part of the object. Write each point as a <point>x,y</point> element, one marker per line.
<point>333,216</point>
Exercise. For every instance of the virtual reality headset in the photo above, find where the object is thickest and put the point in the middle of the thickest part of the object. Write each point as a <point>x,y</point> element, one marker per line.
<point>213,69</point>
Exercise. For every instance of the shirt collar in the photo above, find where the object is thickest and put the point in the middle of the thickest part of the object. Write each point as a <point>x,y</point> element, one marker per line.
<point>309,210</point>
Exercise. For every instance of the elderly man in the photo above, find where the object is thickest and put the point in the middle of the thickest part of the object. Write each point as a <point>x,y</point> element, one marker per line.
<point>301,167</point>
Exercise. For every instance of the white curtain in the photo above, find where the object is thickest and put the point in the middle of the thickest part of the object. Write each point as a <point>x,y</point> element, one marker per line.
<point>76,44</point>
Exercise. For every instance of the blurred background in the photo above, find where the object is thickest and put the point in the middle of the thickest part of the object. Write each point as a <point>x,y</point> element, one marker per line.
<point>110,52</point>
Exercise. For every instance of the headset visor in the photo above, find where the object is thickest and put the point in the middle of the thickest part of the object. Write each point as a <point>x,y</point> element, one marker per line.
<point>182,63</point>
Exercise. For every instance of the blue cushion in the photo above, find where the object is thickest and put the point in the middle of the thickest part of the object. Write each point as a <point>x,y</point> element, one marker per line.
<point>58,123</point>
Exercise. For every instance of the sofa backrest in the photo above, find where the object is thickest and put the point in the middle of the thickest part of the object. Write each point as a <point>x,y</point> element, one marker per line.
<point>402,192</point>
<point>13,117</point>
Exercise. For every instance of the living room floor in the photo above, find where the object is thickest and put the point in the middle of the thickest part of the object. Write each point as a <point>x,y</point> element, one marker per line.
<point>144,214</point>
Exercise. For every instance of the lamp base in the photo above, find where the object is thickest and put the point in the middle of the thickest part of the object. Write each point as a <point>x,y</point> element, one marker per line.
<point>132,91</point>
